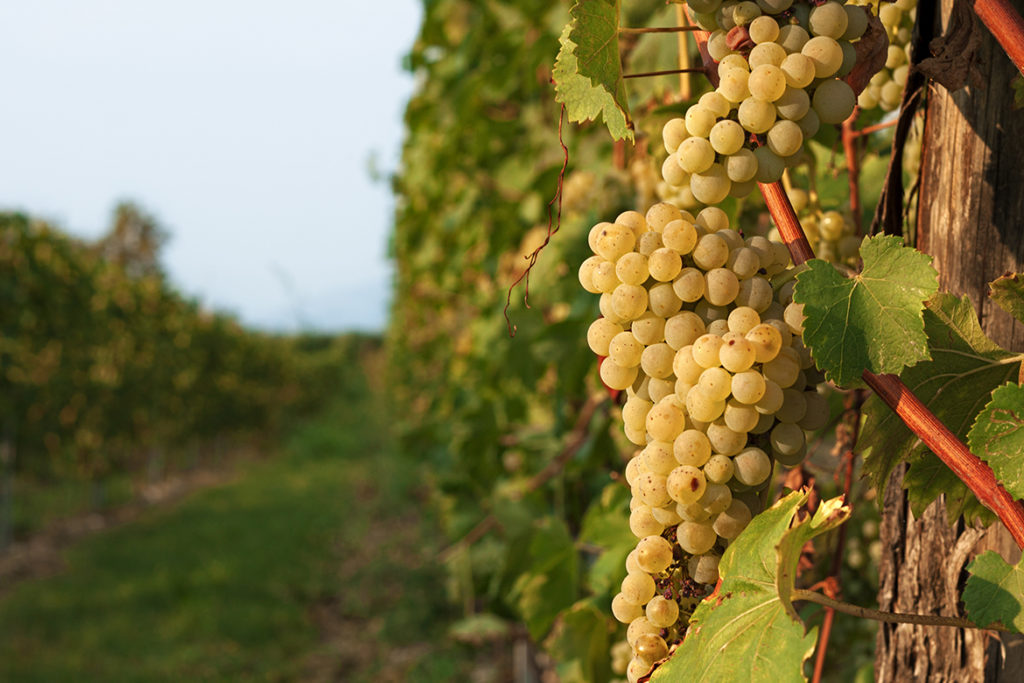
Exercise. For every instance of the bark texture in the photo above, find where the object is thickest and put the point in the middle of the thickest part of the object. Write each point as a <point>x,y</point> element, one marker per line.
<point>970,216</point>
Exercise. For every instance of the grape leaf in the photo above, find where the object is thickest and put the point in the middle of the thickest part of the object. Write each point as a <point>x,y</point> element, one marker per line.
<point>1008,292</point>
<point>997,437</point>
<point>548,582</point>
<point>579,643</point>
<point>871,321</point>
<point>994,592</point>
<point>588,70</point>
<point>606,526</point>
<point>752,613</point>
<point>965,367</point>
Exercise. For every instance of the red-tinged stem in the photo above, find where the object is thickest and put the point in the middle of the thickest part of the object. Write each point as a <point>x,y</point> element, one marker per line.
<point>777,201</point>
<point>851,417</point>
<point>849,136</point>
<point>701,38</point>
<point>971,470</point>
<point>875,128</point>
<point>1006,25</point>
<point>968,467</point>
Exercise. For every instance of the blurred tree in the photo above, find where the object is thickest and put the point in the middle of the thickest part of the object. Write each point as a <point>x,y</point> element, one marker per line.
<point>134,241</point>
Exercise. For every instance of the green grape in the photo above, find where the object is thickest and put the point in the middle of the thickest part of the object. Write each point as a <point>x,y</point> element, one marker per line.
<point>673,134</point>
<point>710,186</point>
<point>716,383</point>
<point>663,301</point>
<point>685,366</point>
<point>667,515</point>
<point>715,103</point>
<point>741,166</point>
<point>704,568</point>
<point>716,498</point>
<point>650,648</point>
<point>794,406</point>
<point>660,215</point>
<point>586,274</point>
<point>769,165</point>
<point>766,53</point>
<point>733,85</point>
<point>605,277</point>
<point>632,268</point>
<point>785,138</point>
<point>719,469</point>
<point>724,440</point>
<point>629,301</point>
<point>653,554</point>
<point>743,261</point>
<point>665,421</point>
<point>787,440</point>
<point>695,538</point>
<point>673,174</point>
<point>615,376</point>
<point>763,30</point>
<point>826,55</point>
<point>726,137</point>
<point>856,22</point>
<point>638,627</point>
<point>766,83</point>
<point>771,401</point>
<point>737,355</point>
<point>656,360</point>
<point>683,329</point>
<point>600,335</point>
<point>767,342</point>
<point>613,241</point>
<point>828,19</point>
<point>833,101</point>
<point>721,287</point>
<point>705,351</point>
<point>734,520</point>
<point>680,236</point>
<point>692,448</point>
<point>662,612</point>
<point>702,407</point>
<point>712,251</point>
<point>624,349</point>
<point>753,466</point>
<point>642,522</point>
<point>756,115</point>
<point>686,484</point>
<point>659,388</point>
<point>638,588</point>
<point>817,414</point>
<point>649,242</point>
<point>664,264</point>
<point>793,105</point>
<point>634,412</point>
<point>783,369</point>
<point>695,155</point>
<point>699,121</point>
<point>689,285</point>
<point>740,417</point>
<point>792,38</point>
<point>809,124</point>
<point>756,293</point>
<point>625,611</point>
<point>652,486</point>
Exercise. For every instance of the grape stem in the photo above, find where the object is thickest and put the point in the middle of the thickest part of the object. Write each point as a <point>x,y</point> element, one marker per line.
<point>971,470</point>
<point>888,617</point>
<point>667,72</point>
<point>660,29</point>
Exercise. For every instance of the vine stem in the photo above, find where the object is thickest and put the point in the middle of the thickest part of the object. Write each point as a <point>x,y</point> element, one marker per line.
<point>849,136</point>
<point>974,472</point>
<point>887,617</point>
<point>666,72</point>
<point>1006,25</point>
<point>867,130</point>
<point>661,29</point>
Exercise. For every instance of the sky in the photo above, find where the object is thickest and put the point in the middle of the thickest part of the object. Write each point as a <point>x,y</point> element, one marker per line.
<point>248,129</point>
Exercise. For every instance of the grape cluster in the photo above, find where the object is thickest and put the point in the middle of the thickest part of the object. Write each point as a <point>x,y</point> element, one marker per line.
<point>885,90</point>
<point>779,67</point>
<point>831,234</point>
<point>719,386</point>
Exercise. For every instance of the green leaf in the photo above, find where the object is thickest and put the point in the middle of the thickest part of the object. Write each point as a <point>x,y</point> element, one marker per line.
<point>547,583</point>
<point>871,321</point>
<point>580,645</point>
<point>606,525</point>
<point>1017,83</point>
<point>997,437</point>
<point>752,614</point>
<point>588,71</point>
<point>1008,292</point>
<point>994,592</point>
<point>965,367</point>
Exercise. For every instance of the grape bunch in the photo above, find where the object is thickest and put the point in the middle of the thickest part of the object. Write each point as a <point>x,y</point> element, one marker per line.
<point>719,387</point>
<point>779,65</point>
<point>885,90</point>
<point>831,234</point>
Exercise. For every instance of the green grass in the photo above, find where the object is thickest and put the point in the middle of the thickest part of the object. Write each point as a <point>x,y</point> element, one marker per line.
<point>313,565</point>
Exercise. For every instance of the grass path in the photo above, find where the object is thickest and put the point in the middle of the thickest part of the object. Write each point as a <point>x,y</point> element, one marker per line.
<point>314,565</point>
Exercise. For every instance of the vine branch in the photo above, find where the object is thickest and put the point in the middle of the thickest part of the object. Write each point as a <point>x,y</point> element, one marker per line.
<point>887,617</point>
<point>974,472</point>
